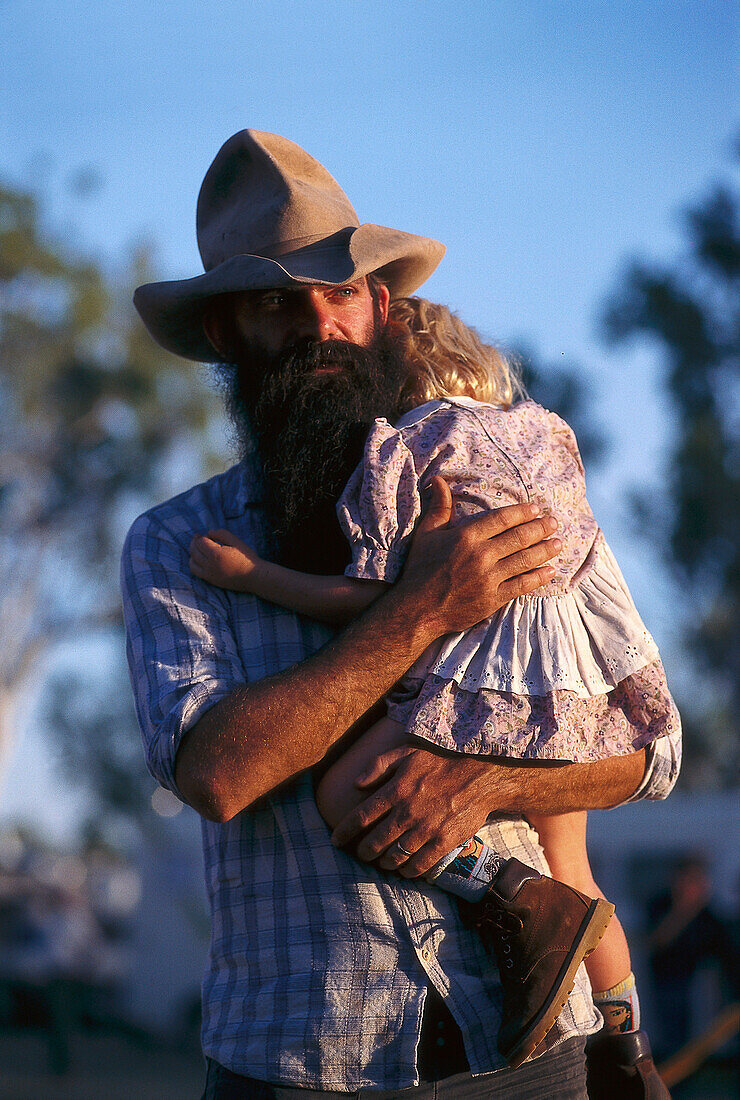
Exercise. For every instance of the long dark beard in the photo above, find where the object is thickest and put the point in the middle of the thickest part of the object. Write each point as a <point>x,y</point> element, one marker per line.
<point>310,428</point>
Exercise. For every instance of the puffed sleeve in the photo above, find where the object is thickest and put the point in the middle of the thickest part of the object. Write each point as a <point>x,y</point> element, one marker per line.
<point>380,505</point>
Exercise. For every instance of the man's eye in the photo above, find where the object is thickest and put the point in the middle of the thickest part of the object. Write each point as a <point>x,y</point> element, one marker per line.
<point>345,291</point>
<point>274,299</point>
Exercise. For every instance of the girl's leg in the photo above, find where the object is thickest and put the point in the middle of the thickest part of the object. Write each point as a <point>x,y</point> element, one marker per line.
<point>609,966</point>
<point>336,793</point>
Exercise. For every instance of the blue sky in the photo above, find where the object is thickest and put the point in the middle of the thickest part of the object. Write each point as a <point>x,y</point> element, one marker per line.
<point>543,141</point>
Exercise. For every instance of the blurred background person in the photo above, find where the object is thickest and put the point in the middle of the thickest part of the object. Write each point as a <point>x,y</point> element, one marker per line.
<point>685,935</point>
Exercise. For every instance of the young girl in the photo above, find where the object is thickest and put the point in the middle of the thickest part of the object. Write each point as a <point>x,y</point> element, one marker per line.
<point>568,673</point>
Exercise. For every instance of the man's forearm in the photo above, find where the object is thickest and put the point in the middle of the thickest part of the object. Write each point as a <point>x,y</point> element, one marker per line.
<point>437,801</point>
<point>265,733</point>
<point>571,787</point>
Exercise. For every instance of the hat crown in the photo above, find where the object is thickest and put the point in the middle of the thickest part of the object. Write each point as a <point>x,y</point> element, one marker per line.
<point>269,215</point>
<point>265,196</point>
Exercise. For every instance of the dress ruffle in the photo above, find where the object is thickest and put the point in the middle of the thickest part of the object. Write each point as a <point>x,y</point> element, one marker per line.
<point>568,672</point>
<point>572,675</point>
<point>584,640</point>
<point>558,726</point>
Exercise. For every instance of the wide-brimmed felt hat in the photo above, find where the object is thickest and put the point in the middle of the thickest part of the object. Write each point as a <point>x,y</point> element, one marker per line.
<point>269,215</point>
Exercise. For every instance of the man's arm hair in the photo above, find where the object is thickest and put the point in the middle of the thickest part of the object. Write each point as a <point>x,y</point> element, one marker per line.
<point>435,801</point>
<point>565,788</point>
<point>265,733</point>
<point>236,754</point>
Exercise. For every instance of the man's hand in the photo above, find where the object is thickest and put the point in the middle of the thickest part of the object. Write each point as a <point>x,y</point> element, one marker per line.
<point>264,733</point>
<point>465,573</point>
<point>431,803</point>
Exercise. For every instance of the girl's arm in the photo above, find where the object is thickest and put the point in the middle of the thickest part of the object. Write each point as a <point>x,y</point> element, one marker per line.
<point>223,559</point>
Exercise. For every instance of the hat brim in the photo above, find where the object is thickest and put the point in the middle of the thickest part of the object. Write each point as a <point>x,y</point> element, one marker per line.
<point>173,311</point>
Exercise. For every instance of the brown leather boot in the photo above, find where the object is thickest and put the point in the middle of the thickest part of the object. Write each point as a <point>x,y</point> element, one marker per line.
<point>621,1067</point>
<point>540,931</point>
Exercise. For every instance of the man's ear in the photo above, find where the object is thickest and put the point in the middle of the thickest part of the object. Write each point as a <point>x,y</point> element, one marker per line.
<point>383,300</point>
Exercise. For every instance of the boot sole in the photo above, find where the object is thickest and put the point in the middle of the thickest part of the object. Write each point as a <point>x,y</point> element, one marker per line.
<point>593,927</point>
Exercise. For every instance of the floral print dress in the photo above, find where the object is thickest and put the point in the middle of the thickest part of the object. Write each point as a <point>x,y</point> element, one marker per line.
<point>568,672</point>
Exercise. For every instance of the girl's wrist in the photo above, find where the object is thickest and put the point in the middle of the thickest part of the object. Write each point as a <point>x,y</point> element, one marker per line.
<point>251,578</point>
<point>257,578</point>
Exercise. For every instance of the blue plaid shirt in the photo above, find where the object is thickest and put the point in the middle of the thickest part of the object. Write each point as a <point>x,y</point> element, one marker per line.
<point>318,964</point>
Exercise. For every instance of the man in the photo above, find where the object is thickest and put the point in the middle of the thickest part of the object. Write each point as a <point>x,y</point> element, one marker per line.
<point>684,934</point>
<point>329,975</point>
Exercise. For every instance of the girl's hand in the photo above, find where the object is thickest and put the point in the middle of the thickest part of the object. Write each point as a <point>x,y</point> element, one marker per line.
<point>223,559</point>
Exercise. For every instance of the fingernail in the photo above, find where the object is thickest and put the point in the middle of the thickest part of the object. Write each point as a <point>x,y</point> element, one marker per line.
<point>534,510</point>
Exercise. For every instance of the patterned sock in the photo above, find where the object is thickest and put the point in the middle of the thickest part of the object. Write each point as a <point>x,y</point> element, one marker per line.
<point>620,1006</point>
<point>466,871</point>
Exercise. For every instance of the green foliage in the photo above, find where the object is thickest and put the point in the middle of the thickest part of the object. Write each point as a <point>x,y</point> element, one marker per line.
<point>80,380</point>
<point>691,311</point>
<point>108,754</point>
<point>91,411</point>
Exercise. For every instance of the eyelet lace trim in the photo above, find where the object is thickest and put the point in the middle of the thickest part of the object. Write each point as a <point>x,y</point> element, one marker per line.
<point>584,641</point>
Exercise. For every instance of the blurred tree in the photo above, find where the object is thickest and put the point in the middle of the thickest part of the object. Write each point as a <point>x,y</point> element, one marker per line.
<point>92,416</point>
<point>691,310</point>
<point>96,738</point>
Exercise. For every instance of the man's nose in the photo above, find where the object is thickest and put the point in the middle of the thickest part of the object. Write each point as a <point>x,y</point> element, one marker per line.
<point>317,321</point>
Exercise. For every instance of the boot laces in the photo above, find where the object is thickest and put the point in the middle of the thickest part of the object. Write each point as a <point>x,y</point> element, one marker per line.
<point>507,926</point>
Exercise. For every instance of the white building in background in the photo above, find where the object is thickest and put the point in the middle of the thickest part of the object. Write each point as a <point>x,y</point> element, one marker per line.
<point>634,848</point>
<point>634,851</point>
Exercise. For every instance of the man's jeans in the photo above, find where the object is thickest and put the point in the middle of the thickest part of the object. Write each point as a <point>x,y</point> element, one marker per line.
<point>558,1075</point>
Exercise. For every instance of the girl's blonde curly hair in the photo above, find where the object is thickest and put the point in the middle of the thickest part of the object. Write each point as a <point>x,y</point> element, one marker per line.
<point>447,358</point>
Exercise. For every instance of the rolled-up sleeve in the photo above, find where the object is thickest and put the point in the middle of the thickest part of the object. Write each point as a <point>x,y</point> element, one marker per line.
<point>662,765</point>
<point>180,645</point>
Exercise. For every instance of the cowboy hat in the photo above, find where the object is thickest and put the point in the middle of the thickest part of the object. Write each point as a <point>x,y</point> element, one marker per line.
<point>269,215</point>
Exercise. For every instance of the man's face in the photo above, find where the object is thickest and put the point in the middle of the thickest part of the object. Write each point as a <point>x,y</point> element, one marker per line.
<point>277,320</point>
<point>312,368</point>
